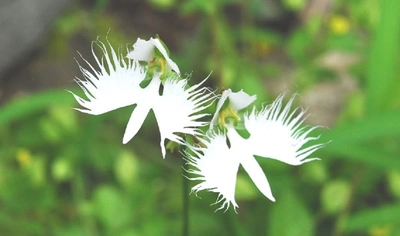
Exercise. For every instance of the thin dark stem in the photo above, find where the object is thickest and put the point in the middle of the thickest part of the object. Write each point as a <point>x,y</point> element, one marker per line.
<point>216,49</point>
<point>185,198</point>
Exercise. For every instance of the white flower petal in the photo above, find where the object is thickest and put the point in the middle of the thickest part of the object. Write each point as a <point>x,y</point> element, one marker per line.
<point>143,50</point>
<point>172,65</point>
<point>115,85</point>
<point>135,122</point>
<point>254,170</point>
<point>242,148</point>
<point>240,100</point>
<point>276,133</point>
<point>139,114</point>
<point>216,166</point>
<point>176,110</point>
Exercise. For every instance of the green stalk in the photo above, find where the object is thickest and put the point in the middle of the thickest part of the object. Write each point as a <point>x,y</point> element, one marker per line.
<point>185,197</point>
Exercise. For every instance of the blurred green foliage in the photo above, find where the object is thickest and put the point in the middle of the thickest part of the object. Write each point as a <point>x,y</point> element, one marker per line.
<point>66,173</point>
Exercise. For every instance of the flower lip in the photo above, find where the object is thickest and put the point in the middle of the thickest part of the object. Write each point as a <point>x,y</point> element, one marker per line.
<point>115,85</point>
<point>274,132</point>
<point>216,166</point>
<point>179,110</point>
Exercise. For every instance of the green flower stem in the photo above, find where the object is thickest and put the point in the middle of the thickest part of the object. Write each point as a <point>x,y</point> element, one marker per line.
<point>185,197</point>
<point>213,19</point>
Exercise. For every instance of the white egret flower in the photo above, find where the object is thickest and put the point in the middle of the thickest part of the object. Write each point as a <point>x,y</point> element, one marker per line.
<point>275,133</point>
<point>118,84</point>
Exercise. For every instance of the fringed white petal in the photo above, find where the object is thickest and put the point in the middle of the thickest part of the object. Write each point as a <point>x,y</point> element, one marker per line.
<point>275,133</point>
<point>143,50</point>
<point>115,85</point>
<point>216,165</point>
<point>179,109</point>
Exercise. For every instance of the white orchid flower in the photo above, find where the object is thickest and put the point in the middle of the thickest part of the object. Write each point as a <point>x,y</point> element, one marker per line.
<point>275,133</point>
<point>118,84</point>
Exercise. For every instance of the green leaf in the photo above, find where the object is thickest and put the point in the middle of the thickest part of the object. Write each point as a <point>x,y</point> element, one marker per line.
<point>30,104</point>
<point>195,6</point>
<point>111,207</point>
<point>162,4</point>
<point>314,172</point>
<point>367,155</point>
<point>369,128</point>
<point>366,219</point>
<point>245,189</point>
<point>289,217</point>
<point>382,66</point>
<point>393,179</point>
<point>349,140</point>
<point>61,169</point>
<point>295,5</point>
<point>335,196</point>
<point>126,168</point>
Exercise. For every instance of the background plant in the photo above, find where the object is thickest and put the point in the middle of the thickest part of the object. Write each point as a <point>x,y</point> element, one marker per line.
<point>65,173</point>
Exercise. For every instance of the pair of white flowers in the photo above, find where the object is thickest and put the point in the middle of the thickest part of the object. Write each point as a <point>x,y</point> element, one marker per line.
<point>148,78</point>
